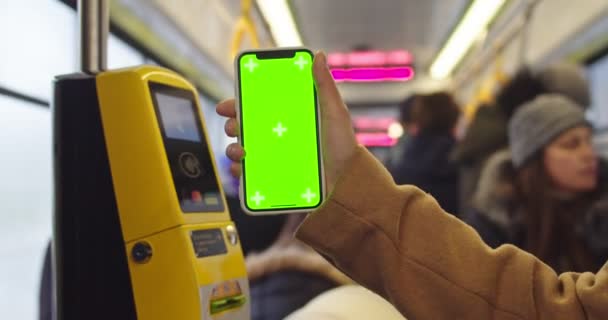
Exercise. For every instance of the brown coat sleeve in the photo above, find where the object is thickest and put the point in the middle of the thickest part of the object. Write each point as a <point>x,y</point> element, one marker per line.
<point>398,242</point>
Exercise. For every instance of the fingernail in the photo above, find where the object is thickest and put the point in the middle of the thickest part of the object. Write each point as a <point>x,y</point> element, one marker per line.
<point>233,152</point>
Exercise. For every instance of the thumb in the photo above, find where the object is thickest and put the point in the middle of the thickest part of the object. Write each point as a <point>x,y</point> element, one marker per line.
<point>337,131</point>
<point>330,100</point>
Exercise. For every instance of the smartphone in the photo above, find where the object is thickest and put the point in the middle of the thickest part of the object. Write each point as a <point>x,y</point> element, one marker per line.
<point>279,122</point>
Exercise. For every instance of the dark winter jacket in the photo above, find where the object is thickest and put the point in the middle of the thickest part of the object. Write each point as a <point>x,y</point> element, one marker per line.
<point>499,219</point>
<point>486,134</point>
<point>425,163</point>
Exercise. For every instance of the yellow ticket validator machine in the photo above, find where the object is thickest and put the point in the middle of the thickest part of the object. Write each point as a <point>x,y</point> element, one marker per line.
<point>142,229</point>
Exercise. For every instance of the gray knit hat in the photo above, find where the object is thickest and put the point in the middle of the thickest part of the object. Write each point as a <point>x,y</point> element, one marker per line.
<point>537,123</point>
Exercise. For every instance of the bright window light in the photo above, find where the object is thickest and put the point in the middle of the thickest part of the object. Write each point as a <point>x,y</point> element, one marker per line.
<point>280,20</point>
<point>474,22</point>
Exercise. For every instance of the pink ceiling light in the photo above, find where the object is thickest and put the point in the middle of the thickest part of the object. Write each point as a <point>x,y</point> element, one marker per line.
<point>375,139</point>
<point>368,123</point>
<point>369,59</point>
<point>399,57</point>
<point>373,74</point>
<point>337,59</point>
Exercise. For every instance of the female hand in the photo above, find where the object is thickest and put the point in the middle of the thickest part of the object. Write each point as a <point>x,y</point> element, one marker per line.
<point>337,135</point>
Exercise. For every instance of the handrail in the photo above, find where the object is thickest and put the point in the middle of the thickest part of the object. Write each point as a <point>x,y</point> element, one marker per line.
<point>94,18</point>
<point>244,26</point>
<point>499,46</point>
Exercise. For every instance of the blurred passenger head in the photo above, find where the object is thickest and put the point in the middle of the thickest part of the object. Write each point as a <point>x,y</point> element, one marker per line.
<point>435,113</point>
<point>522,88</point>
<point>551,135</point>
<point>566,79</point>
<point>405,110</point>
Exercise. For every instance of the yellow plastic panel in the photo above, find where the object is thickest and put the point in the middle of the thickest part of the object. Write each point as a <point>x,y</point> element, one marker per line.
<point>141,174</point>
<point>167,286</point>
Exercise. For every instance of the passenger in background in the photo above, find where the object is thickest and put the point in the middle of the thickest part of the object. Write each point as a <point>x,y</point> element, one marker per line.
<point>405,120</point>
<point>288,275</point>
<point>548,195</point>
<point>424,159</point>
<point>350,302</point>
<point>569,80</point>
<point>487,132</point>
<point>284,274</point>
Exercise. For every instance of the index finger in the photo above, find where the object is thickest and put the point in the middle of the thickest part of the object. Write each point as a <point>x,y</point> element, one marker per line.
<point>227,108</point>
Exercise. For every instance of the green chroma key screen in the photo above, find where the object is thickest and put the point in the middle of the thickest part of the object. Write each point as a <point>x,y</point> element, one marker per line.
<point>279,131</point>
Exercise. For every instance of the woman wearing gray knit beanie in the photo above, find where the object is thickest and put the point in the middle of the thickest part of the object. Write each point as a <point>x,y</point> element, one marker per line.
<point>546,195</point>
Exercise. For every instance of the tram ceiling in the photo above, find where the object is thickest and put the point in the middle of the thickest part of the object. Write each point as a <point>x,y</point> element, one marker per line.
<point>199,34</point>
<point>420,27</point>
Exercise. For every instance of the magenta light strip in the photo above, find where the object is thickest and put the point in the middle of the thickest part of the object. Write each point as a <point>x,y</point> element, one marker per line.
<point>373,74</point>
<point>375,139</point>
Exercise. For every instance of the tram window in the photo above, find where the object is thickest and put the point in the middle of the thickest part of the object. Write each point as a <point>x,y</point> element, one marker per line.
<point>38,41</point>
<point>598,112</point>
<point>25,204</point>
<point>121,55</point>
<point>33,53</point>
<point>151,61</point>
<point>598,77</point>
